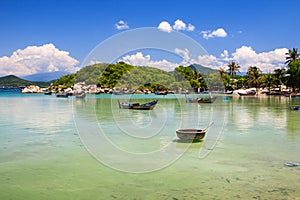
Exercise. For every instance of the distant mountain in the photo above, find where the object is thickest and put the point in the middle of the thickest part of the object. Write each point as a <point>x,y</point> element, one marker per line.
<point>203,70</point>
<point>45,77</point>
<point>14,81</point>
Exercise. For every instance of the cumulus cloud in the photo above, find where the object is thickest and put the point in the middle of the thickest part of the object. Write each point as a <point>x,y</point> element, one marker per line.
<point>121,25</point>
<point>220,32</point>
<point>37,59</point>
<point>184,53</point>
<point>165,26</point>
<point>179,25</point>
<point>139,59</point>
<point>266,61</point>
<point>190,27</point>
<point>245,56</point>
<point>209,61</point>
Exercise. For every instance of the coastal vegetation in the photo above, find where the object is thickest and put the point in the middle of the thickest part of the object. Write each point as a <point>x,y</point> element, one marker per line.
<point>122,75</point>
<point>14,81</point>
<point>288,77</point>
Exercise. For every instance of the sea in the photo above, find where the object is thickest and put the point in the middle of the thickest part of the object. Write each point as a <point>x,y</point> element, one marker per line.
<point>68,148</point>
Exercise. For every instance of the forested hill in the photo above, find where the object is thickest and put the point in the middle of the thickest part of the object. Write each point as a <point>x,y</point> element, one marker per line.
<point>14,81</point>
<point>122,75</point>
<point>203,70</point>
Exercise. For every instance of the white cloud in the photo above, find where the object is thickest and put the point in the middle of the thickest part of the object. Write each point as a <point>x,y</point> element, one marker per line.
<point>165,26</point>
<point>121,25</point>
<point>245,56</point>
<point>179,25</point>
<point>190,27</point>
<point>139,59</point>
<point>184,54</point>
<point>225,54</point>
<point>37,59</point>
<point>220,32</point>
<point>208,61</point>
<point>266,61</point>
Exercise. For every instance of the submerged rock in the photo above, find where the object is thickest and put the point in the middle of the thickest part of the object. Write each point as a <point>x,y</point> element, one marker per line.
<point>291,164</point>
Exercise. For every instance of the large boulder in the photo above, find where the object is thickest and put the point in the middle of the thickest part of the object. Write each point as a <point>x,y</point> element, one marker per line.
<point>32,89</point>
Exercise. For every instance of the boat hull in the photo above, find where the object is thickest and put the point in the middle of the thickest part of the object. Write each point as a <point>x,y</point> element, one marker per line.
<point>248,93</point>
<point>191,134</point>
<point>295,107</point>
<point>62,95</point>
<point>137,106</point>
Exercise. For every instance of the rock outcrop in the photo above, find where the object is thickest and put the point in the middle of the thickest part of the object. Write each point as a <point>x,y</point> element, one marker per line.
<point>32,89</point>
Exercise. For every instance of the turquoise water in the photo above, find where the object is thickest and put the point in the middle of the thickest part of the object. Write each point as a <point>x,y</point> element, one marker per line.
<point>54,148</point>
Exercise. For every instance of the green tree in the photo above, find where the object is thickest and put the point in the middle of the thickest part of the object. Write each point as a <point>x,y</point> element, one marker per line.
<point>222,71</point>
<point>267,81</point>
<point>65,81</point>
<point>253,75</point>
<point>215,82</point>
<point>279,77</point>
<point>233,67</point>
<point>294,74</point>
<point>292,56</point>
<point>240,82</point>
<point>194,77</point>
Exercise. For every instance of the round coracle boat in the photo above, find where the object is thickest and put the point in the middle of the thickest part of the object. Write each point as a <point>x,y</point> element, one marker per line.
<point>190,134</point>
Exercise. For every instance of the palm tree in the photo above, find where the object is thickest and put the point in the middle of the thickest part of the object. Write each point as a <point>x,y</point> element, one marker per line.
<point>267,80</point>
<point>221,71</point>
<point>233,67</point>
<point>292,56</point>
<point>254,76</point>
<point>278,77</point>
<point>294,75</point>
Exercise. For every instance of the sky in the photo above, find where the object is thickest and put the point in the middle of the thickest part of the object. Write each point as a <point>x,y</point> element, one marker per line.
<point>58,35</point>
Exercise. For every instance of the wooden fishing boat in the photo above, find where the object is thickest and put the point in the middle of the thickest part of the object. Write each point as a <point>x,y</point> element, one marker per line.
<point>201,100</point>
<point>246,92</point>
<point>295,107</point>
<point>228,92</point>
<point>190,134</point>
<point>138,106</point>
<point>47,92</point>
<point>62,95</point>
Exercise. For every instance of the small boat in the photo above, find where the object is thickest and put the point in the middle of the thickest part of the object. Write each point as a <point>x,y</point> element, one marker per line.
<point>47,93</point>
<point>228,92</point>
<point>246,92</point>
<point>190,134</point>
<point>80,96</point>
<point>138,106</point>
<point>62,95</point>
<point>295,107</point>
<point>161,93</point>
<point>201,100</point>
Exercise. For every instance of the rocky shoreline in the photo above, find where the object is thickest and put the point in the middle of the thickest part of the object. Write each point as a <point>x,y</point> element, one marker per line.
<point>81,87</point>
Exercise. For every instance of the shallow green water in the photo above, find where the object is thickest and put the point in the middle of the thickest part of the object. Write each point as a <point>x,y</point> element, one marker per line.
<point>242,155</point>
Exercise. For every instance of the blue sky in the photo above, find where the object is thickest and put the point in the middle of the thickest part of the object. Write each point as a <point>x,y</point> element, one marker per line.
<point>73,28</point>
